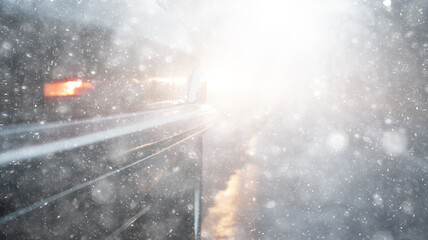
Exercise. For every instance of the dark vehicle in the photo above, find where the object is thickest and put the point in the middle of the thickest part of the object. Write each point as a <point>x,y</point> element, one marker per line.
<point>74,59</point>
<point>101,123</point>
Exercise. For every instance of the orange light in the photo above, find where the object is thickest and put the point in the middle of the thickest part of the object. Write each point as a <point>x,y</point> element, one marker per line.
<point>67,88</point>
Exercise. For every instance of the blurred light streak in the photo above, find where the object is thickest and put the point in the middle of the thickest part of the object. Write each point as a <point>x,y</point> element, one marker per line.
<point>67,88</point>
<point>231,206</point>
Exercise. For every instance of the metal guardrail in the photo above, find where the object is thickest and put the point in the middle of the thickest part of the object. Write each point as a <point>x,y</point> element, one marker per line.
<point>24,142</point>
<point>45,166</point>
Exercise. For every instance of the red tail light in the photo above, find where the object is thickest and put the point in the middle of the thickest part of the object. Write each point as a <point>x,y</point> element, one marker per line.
<point>72,87</point>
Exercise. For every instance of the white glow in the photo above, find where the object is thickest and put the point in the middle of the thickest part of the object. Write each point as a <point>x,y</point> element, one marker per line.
<point>224,79</point>
<point>269,42</point>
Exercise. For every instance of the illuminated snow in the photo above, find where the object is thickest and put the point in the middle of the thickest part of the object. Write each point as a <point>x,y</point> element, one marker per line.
<point>337,141</point>
<point>394,142</point>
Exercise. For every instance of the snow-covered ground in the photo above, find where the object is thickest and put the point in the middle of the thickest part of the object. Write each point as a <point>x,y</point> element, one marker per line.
<point>316,174</point>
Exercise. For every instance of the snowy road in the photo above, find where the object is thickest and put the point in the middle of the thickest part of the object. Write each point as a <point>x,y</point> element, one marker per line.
<point>316,174</point>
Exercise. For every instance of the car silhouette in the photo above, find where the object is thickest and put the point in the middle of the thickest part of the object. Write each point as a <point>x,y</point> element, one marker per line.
<point>101,122</point>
